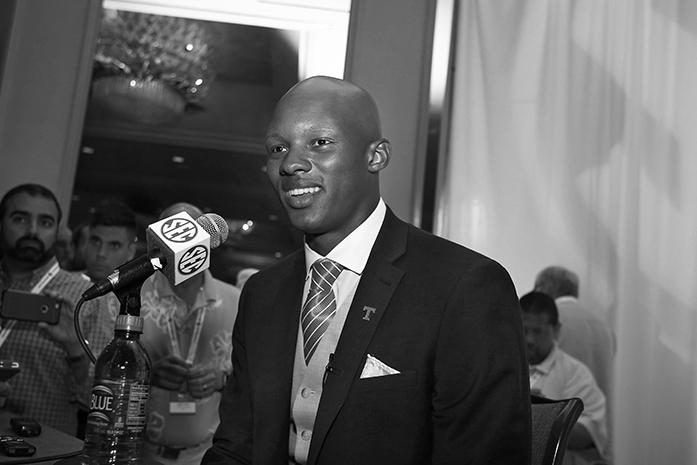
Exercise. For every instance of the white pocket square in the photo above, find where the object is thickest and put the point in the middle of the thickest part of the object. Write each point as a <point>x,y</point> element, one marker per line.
<point>374,367</point>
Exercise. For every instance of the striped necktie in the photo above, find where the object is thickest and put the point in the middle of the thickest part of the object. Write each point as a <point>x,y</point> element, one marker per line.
<point>320,306</point>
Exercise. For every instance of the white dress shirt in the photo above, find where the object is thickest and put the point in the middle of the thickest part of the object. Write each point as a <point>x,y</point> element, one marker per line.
<point>352,253</point>
<point>561,376</point>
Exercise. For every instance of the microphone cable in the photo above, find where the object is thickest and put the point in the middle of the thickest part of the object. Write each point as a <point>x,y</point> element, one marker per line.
<point>80,337</point>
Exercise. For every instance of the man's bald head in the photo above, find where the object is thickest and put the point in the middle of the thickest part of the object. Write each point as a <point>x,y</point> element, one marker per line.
<point>345,100</point>
<point>179,207</point>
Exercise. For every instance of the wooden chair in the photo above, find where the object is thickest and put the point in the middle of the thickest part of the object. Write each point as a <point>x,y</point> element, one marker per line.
<point>552,421</point>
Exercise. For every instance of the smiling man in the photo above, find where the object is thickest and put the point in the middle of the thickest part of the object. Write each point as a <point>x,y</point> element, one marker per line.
<point>377,343</point>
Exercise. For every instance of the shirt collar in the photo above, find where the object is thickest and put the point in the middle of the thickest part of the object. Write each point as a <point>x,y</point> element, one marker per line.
<point>353,251</point>
<point>566,298</point>
<point>548,363</point>
<point>164,289</point>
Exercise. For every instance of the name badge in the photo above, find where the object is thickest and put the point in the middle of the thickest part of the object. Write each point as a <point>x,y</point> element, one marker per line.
<point>181,404</point>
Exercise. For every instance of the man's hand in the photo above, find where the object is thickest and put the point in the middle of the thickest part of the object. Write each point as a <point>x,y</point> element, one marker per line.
<point>204,381</point>
<point>63,333</point>
<point>170,373</point>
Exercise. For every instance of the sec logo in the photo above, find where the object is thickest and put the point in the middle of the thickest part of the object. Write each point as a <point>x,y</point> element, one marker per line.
<point>178,230</point>
<point>193,259</point>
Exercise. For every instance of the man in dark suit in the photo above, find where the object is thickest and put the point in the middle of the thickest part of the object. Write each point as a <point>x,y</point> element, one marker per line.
<point>378,343</point>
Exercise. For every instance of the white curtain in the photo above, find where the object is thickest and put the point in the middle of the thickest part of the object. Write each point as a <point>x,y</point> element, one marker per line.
<point>574,142</point>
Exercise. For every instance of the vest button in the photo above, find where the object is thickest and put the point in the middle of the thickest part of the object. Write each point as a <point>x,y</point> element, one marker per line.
<point>306,392</point>
<point>306,435</point>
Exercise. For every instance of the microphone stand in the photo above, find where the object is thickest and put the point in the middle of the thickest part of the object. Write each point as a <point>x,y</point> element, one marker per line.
<point>129,298</point>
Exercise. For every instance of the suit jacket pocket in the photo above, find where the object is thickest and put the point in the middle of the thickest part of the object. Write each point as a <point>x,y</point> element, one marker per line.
<point>387,382</point>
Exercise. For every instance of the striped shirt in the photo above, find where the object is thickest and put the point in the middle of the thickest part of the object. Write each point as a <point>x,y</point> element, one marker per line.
<point>45,388</point>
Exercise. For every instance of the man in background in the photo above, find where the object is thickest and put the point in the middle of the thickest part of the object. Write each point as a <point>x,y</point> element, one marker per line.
<point>557,375</point>
<point>53,366</point>
<point>377,343</point>
<point>111,239</point>
<point>111,242</point>
<point>187,333</point>
<point>583,334</point>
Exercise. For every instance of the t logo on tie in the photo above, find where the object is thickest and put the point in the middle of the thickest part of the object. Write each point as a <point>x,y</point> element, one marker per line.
<point>368,312</point>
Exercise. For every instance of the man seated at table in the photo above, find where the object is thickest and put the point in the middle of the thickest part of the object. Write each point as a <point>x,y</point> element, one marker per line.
<point>557,375</point>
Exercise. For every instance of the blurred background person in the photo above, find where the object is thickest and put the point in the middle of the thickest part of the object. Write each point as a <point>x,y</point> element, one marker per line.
<point>554,374</point>
<point>583,334</point>
<point>188,336</point>
<point>53,366</point>
<point>111,239</point>
<point>111,242</point>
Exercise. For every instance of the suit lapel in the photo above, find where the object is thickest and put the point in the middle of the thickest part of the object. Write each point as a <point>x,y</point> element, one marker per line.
<point>378,282</point>
<point>275,367</point>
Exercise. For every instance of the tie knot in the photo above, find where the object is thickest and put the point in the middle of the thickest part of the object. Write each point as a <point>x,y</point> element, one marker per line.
<point>326,270</point>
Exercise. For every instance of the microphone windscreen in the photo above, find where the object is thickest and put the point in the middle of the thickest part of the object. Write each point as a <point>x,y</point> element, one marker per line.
<point>215,226</point>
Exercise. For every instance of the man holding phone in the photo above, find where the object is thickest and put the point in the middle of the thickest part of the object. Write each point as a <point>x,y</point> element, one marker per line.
<point>54,367</point>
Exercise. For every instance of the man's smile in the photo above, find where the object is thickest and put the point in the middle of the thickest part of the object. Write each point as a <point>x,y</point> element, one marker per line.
<point>303,191</point>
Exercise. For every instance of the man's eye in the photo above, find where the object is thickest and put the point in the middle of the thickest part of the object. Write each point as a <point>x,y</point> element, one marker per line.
<point>322,142</point>
<point>47,223</point>
<point>115,247</point>
<point>275,149</point>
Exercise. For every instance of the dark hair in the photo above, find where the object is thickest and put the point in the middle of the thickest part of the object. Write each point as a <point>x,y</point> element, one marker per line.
<point>557,281</point>
<point>34,190</point>
<point>539,303</point>
<point>112,213</point>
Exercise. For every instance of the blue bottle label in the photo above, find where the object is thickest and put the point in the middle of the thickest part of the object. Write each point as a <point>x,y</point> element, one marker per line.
<point>119,407</point>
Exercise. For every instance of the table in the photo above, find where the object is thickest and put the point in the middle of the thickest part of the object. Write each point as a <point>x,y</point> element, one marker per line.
<point>51,444</point>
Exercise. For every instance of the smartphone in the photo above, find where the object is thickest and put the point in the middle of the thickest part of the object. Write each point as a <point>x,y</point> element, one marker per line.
<point>25,426</point>
<point>22,305</point>
<point>14,446</point>
<point>8,369</point>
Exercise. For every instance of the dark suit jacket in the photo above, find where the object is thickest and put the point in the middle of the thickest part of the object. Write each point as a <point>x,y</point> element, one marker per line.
<point>446,317</point>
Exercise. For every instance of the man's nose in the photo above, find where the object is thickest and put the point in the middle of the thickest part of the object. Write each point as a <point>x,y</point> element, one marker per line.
<point>102,251</point>
<point>295,161</point>
<point>32,228</point>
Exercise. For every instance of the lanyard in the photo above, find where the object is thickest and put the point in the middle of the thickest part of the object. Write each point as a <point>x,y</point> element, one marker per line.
<point>38,287</point>
<point>193,345</point>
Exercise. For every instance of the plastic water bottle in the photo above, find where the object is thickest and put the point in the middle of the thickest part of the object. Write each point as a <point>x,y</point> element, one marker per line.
<point>118,402</point>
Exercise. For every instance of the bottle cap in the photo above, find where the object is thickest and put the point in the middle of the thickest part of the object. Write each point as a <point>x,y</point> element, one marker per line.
<point>129,323</point>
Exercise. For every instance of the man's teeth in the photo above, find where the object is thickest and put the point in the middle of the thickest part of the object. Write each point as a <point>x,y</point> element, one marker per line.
<point>304,190</point>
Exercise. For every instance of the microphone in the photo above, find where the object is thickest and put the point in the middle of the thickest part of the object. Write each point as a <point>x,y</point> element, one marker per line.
<point>178,246</point>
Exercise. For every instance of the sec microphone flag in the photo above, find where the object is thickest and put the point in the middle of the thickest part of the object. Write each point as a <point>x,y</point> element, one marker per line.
<point>185,243</point>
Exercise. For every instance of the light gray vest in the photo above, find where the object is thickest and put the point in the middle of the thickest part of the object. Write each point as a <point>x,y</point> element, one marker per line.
<point>307,384</point>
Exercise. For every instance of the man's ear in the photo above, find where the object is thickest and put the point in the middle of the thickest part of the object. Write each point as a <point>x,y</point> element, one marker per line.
<point>557,329</point>
<point>380,151</point>
<point>131,250</point>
